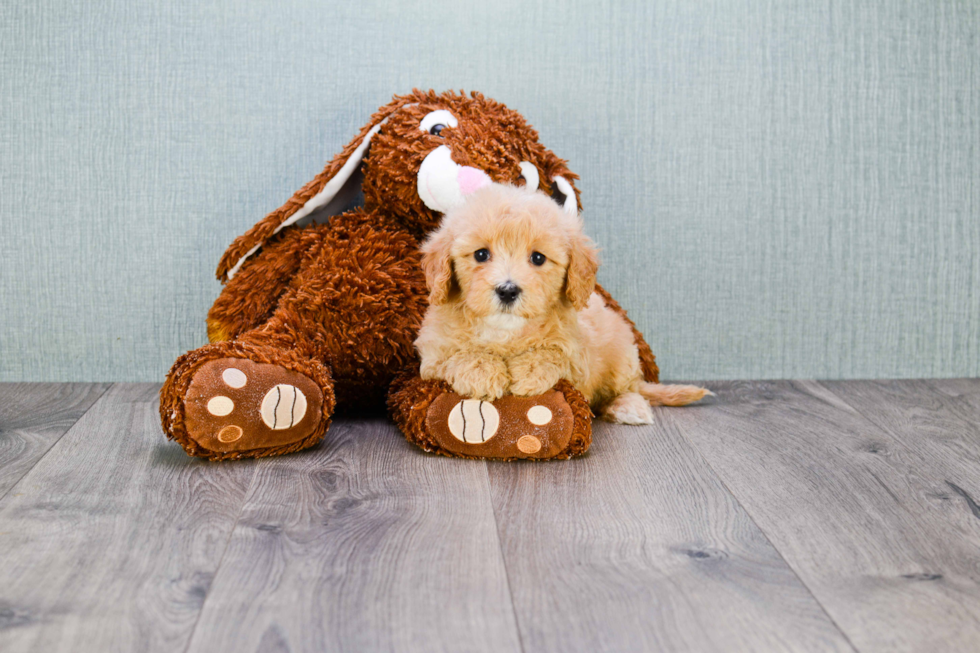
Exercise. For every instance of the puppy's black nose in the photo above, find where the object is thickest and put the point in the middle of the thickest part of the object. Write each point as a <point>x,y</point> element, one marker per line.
<point>508,292</point>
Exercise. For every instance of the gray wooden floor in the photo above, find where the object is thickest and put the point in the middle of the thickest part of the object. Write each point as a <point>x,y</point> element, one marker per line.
<point>780,516</point>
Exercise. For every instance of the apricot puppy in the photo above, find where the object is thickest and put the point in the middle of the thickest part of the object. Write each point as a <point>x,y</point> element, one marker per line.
<point>512,309</point>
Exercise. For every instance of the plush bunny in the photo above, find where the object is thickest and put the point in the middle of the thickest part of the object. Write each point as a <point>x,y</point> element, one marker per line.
<point>323,299</point>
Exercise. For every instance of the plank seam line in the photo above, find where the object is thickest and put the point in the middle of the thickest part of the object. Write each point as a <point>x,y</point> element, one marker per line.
<point>884,428</point>
<point>889,433</point>
<point>748,514</point>
<point>500,550</point>
<point>221,560</point>
<point>898,438</point>
<point>58,439</point>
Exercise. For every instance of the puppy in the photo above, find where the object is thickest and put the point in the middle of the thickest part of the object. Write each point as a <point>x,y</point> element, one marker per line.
<point>512,309</point>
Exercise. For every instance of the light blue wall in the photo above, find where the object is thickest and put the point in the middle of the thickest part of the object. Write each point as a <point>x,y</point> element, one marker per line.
<point>782,189</point>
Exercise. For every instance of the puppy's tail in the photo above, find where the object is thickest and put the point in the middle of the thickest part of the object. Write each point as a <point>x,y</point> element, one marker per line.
<point>672,395</point>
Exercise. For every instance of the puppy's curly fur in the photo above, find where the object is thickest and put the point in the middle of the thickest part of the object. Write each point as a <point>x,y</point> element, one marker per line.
<point>512,310</point>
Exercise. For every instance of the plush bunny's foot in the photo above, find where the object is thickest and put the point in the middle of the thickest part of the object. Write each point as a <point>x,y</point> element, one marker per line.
<point>234,404</point>
<point>219,405</point>
<point>555,424</point>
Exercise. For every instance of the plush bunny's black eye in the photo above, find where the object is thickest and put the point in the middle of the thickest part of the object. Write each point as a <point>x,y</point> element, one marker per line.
<point>537,258</point>
<point>435,121</point>
<point>482,255</point>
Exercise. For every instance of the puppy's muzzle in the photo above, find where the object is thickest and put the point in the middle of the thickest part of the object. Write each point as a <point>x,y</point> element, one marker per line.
<point>508,293</point>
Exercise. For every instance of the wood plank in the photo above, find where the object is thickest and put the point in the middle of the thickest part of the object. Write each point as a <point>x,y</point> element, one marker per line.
<point>364,544</point>
<point>32,418</point>
<point>863,520</point>
<point>639,547</point>
<point>110,542</point>
<point>938,420</point>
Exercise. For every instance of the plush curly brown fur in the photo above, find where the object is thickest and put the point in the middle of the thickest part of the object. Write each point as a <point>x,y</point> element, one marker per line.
<point>341,302</point>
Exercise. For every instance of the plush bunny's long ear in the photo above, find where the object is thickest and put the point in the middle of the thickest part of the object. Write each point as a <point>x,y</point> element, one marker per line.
<point>329,193</point>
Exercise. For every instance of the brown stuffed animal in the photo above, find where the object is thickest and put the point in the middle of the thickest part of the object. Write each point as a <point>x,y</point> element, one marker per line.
<point>322,302</point>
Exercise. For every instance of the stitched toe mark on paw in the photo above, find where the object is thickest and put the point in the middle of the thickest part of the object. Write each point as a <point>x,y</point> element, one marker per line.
<point>474,421</point>
<point>283,407</point>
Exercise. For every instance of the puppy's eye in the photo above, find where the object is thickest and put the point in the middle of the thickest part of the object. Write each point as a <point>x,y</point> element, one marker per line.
<point>436,130</point>
<point>537,258</point>
<point>482,255</point>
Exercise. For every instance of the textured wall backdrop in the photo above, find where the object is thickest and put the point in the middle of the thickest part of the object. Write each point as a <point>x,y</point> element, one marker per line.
<point>782,189</point>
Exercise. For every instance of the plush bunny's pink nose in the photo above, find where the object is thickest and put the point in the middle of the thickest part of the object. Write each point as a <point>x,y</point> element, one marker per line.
<point>471,179</point>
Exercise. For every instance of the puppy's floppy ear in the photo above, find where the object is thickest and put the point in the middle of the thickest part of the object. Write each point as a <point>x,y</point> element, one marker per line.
<point>437,263</point>
<point>330,191</point>
<point>583,264</point>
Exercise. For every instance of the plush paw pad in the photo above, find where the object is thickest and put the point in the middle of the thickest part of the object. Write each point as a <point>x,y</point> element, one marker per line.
<point>230,433</point>
<point>539,415</point>
<point>234,404</point>
<point>220,406</point>
<point>529,444</point>
<point>234,377</point>
<point>510,427</point>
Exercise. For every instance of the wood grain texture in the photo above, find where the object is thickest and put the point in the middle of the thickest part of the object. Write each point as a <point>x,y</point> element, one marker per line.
<point>780,516</point>
<point>364,544</point>
<point>865,521</point>
<point>32,418</point>
<point>639,547</point>
<point>937,420</point>
<point>111,541</point>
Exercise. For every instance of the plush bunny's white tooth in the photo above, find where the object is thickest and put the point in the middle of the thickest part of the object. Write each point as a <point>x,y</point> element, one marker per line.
<point>530,174</point>
<point>570,205</point>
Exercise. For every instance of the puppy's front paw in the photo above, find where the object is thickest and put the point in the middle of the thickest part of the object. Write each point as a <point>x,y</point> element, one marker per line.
<point>478,375</point>
<point>534,372</point>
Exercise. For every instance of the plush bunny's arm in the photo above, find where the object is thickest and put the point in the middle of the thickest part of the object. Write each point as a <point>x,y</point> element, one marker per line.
<point>248,299</point>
